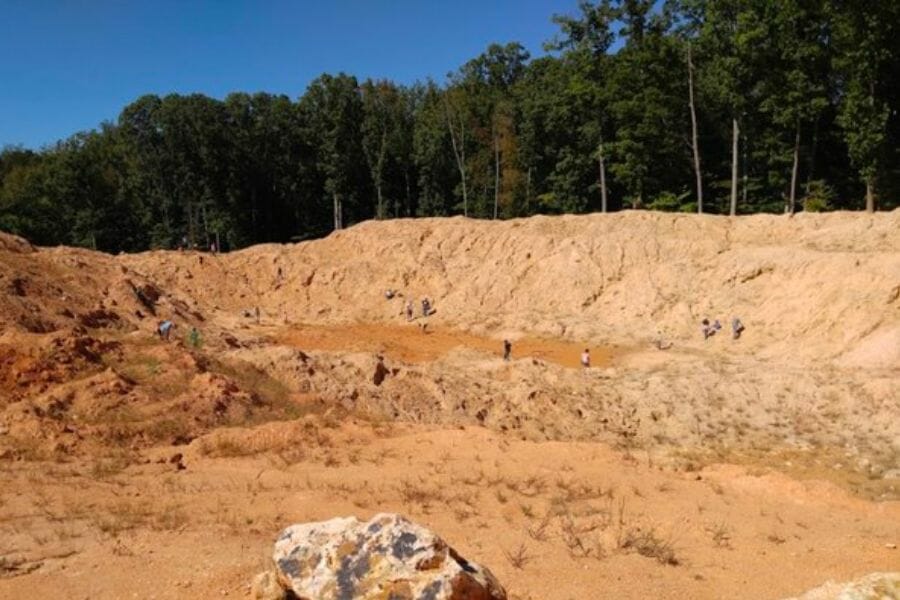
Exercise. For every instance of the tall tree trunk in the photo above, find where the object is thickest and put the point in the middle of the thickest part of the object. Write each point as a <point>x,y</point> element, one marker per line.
<point>338,218</point>
<point>604,206</point>
<point>380,201</point>
<point>496,175</point>
<point>792,202</point>
<point>870,194</point>
<point>694,143</point>
<point>870,180</point>
<point>459,152</point>
<point>376,168</point>
<point>462,165</point>
<point>812,156</point>
<point>735,134</point>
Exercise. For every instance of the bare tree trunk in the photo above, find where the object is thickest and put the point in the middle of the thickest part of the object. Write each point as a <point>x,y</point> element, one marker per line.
<point>735,133</point>
<point>812,157</point>
<point>792,202</point>
<point>376,167</point>
<point>604,206</point>
<point>380,201</point>
<point>338,218</point>
<point>870,180</point>
<point>870,194</point>
<point>462,165</point>
<point>496,175</point>
<point>459,152</point>
<point>694,143</point>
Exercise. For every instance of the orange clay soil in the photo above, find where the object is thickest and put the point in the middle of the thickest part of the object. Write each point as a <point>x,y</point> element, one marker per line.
<point>553,520</point>
<point>410,343</point>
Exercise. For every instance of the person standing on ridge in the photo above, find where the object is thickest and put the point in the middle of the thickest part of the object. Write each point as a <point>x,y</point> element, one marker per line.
<point>507,350</point>
<point>164,329</point>
<point>586,358</point>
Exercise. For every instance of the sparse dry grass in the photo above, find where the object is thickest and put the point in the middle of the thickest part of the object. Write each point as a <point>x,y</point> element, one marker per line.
<point>122,516</point>
<point>647,542</point>
<point>538,532</point>
<point>721,534</point>
<point>259,384</point>
<point>519,557</point>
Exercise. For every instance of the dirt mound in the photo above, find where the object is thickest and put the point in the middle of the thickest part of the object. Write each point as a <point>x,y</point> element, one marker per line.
<point>818,294</point>
<point>596,278</point>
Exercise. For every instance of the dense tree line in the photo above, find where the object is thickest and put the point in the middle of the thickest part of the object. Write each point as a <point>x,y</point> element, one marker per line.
<point>719,106</point>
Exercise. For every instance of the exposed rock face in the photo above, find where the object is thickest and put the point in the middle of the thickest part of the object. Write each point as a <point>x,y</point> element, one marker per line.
<point>386,557</point>
<point>876,586</point>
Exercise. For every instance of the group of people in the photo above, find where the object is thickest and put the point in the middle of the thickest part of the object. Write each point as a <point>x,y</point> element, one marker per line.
<point>710,329</point>
<point>164,331</point>
<point>409,309</point>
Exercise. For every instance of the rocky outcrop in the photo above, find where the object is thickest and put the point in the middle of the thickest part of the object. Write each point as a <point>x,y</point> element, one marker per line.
<point>385,557</point>
<point>876,586</point>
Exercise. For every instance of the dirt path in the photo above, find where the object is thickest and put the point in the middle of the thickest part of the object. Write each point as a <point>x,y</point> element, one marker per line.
<point>409,344</point>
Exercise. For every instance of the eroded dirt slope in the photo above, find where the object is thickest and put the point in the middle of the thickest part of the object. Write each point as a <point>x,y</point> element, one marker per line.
<point>98,415</point>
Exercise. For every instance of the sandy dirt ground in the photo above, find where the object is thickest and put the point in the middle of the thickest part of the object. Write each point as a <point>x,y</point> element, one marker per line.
<point>552,519</point>
<point>676,467</point>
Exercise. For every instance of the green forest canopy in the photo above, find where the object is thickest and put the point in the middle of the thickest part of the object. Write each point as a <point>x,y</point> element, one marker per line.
<point>713,106</point>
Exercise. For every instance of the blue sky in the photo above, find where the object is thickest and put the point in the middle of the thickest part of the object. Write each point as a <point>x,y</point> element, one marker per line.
<point>65,66</point>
